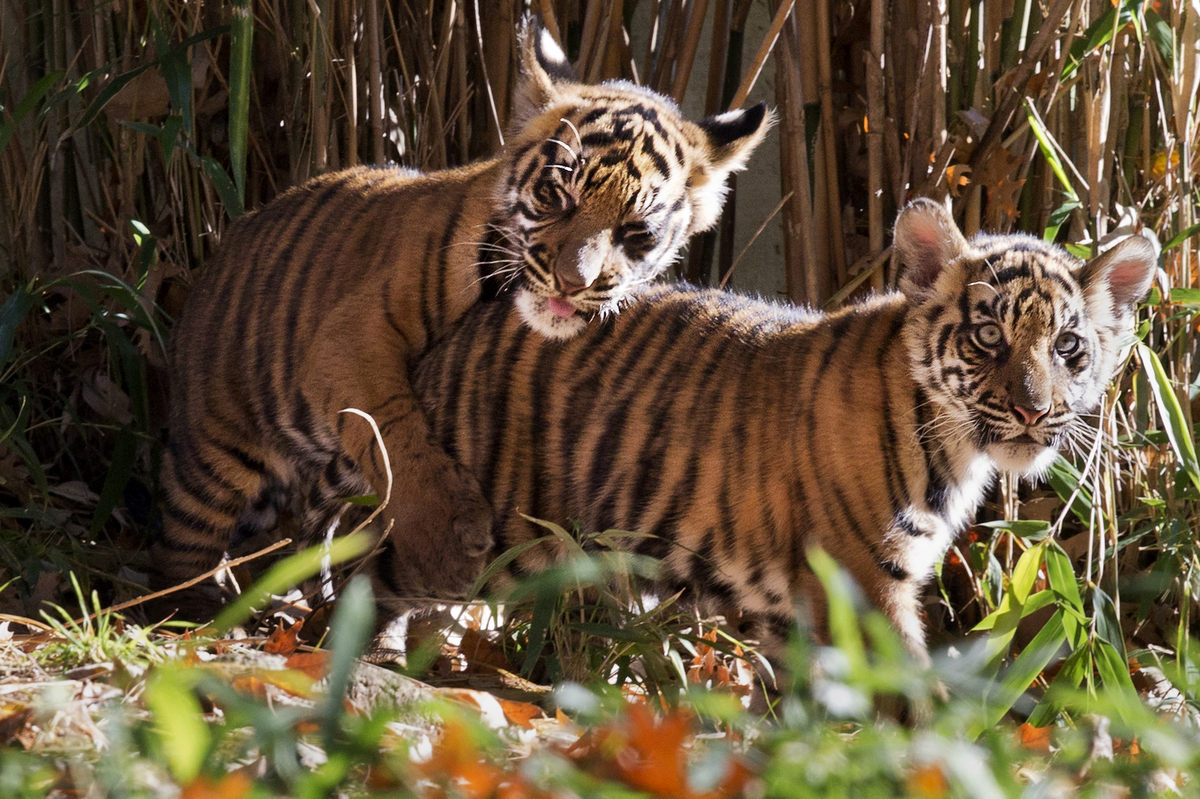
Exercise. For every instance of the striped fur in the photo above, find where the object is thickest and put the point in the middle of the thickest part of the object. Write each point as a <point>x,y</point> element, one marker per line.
<point>741,433</point>
<point>317,302</point>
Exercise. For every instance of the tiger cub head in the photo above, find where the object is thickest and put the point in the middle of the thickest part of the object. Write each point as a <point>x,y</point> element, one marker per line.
<point>1013,339</point>
<point>605,183</point>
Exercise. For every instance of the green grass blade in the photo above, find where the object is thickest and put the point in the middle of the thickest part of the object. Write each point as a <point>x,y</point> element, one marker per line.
<point>1178,429</point>
<point>180,721</point>
<point>352,624</point>
<point>288,573</point>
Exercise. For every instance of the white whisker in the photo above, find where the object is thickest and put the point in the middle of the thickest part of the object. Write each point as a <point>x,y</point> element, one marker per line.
<point>574,130</point>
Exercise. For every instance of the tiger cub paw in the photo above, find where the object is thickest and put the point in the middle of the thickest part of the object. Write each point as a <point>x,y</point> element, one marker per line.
<point>441,536</point>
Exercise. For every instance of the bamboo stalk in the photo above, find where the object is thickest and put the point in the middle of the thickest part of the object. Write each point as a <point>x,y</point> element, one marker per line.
<point>683,65</point>
<point>375,80</point>
<point>349,25</point>
<point>800,258</point>
<point>764,50</point>
<point>875,114</point>
<point>829,143</point>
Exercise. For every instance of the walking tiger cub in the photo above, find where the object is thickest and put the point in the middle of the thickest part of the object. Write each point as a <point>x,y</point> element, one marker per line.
<point>317,302</point>
<point>739,433</point>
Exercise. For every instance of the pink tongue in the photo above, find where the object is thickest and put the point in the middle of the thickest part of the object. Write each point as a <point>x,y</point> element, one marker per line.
<point>561,307</point>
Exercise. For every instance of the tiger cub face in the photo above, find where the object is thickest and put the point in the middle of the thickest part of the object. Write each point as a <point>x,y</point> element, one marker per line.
<point>606,184</point>
<point>1015,339</point>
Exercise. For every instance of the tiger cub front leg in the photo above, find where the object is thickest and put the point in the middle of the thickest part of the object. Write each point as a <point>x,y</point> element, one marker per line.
<point>440,524</point>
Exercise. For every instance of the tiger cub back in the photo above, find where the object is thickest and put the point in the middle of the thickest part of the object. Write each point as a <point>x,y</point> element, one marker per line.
<point>315,305</point>
<point>740,433</point>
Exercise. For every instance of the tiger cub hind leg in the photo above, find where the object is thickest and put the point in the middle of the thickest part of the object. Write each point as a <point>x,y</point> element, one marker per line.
<point>207,486</point>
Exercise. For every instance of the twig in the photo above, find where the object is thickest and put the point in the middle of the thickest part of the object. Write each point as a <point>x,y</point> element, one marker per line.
<point>189,583</point>
<point>27,622</point>
<point>729,272</point>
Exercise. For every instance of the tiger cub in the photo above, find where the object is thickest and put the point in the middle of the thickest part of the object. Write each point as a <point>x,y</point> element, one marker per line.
<point>740,433</point>
<point>317,302</point>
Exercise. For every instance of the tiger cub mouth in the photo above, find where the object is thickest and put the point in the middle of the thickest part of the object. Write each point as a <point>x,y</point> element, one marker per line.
<point>552,317</point>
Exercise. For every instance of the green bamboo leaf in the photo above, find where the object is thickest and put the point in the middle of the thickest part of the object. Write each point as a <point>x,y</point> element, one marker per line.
<point>1066,481</point>
<point>1024,670</point>
<point>1064,686</point>
<point>1178,429</point>
<point>287,574</point>
<point>1036,602</point>
<point>604,631</point>
<point>1029,529</point>
<point>1049,153</point>
<point>1108,626</point>
<point>1180,238</point>
<point>241,50</point>
<point>224,186</point>
<point>23,109</point>
<point>1182,296</point>
<point>501,562</point>
<point>1114,670</point>
<point>1161,35</point>
<point>110,91</point>
<point>1062,577</point>
<point>1012,603</point>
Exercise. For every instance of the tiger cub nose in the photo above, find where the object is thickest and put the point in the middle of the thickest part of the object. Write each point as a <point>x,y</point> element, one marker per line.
<point>569,284</point>
<point>1030,416</point>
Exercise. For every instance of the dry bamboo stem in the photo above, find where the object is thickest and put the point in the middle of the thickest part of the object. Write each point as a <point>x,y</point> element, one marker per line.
<point>587,44</point>
<point>549,20</point>
<point>832,196</point>
<point>375,65</point>
<point>799,247</point>
<point>717,55</point>
<point>349,12</point>
<point>683,66</point>
<point>875,113</point>
<point>1012,97</point>
<point>764,50</point>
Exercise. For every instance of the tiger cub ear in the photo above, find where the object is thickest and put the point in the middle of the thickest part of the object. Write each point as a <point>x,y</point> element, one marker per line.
<point>927,240</point>
<point>1121,275</point>
<point>543,64</point>
<point>730,137</point>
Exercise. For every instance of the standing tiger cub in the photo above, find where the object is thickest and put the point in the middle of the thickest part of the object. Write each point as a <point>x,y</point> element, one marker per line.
<point>317,303</point>
<point>740,433</point>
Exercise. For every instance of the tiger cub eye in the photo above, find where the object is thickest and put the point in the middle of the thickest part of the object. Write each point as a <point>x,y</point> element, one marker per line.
<point>988,334</point>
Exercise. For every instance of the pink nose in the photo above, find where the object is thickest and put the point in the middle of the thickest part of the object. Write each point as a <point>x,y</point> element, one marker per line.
<point>1030,417</point>
<point>567,285</point>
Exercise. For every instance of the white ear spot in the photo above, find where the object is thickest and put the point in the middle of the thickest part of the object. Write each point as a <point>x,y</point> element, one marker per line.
<point>551,55</point>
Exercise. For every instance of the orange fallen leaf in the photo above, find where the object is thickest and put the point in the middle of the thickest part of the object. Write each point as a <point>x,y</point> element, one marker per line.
<point>519,713</point>
<point>314,665</point>
<point>1035,739</point>
<point>283,641</point>
<point>478,650</point>
<point>234,785</point>
<point>927,782</point>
